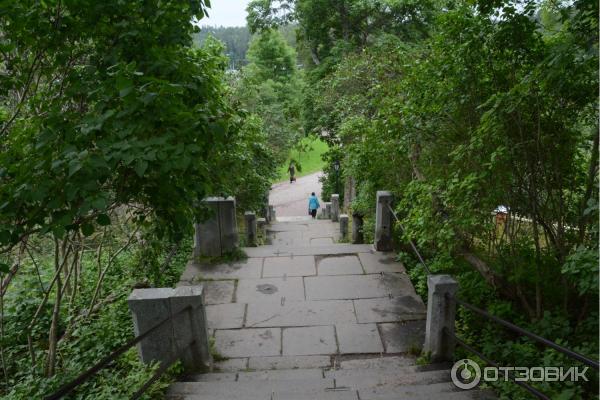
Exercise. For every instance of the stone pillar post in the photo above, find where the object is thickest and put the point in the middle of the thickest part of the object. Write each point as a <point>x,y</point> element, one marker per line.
<point>217,235</point>
<point>344,226</point>
<point>326,210</point>
<point>250,218</point>
<point>261,225</point>
<point>184,335</point>
<point>383,222</point>
<point>335,207</point>
<point>197,242</point>
<point>441,311</point>
<point>357,228</point>
<point>272,214</point>
<point>228,225</point>
<point>265,206</point>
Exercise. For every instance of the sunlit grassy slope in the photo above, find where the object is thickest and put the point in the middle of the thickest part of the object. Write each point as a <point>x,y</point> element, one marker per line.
<point>310,160</point>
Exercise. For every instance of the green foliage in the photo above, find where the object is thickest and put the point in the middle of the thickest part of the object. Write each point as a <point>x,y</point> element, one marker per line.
<point>270,57</point>
<point>270,87</point>
<point>122,119</point>
<point>112,129</point>
<point>85,339</point>
<point>458,109</point>
<point>235,39</point>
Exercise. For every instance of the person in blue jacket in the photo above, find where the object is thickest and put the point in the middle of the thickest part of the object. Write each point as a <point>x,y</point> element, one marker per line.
<point>313,205</point>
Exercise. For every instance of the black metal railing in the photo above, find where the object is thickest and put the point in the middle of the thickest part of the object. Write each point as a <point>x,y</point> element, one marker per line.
<point>412,244</point>
<point>524,385</point>
<point>570,353</point>
<point>523,332</point>
<point>84,376</point>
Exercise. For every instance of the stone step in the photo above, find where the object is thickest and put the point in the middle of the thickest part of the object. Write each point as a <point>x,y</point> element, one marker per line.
<point>391,379</point>
<point>426,393</point>
<point>392,362</point>
<point>329,395</point>
<point>249,389</point>
<point>282,251</point>
<point>266,375</point>
<point>306,381</point>
<point>384,371</point>
<point>303,391</point>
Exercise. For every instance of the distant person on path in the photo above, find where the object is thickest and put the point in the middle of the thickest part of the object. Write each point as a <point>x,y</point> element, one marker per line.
<point>292,171</point>
<point>313,205</point>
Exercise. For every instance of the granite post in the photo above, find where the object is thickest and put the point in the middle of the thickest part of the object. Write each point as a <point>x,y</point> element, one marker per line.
<point>357,228</point>
<point>184,334</point>
<point>344,226</point>
<point>250,218</point>
<point>384,222</point>
<point>441,311</point>
<point>261,225</point>
<point>327,210</point>
<point>218,234</point>
<point>335,207</point>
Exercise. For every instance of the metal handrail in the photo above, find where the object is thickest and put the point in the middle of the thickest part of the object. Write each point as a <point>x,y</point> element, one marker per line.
<point>524,332</point>
<point>84,376</point>
<point>579,357</point>
<point>158,373</point>
<point>412,244</point>
<point>527,387</point>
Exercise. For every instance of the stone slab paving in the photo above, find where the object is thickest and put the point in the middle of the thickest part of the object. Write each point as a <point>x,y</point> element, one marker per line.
<point>248,342</point>
<point>294,238</point>
<point>308,319</point>
<point>290,306</point>
<point>375,262</point>
<point>250,268</point>
<point>289,266</point>
<point>399,308</point>
<point>321,241</point>
<point>289,362</point>
<point>282,374</point>
<point>270,290</point>
<point>231,364</point>
<point>339,265</point>
<point>390,362</point>
<point>356,286</point>
<point>219,292</point>
<point>225,316</point>
<point>305,313</point>
<point>403,337</point>
<point>310,340</point>
<point>281,251</point>
<point>358,338</point>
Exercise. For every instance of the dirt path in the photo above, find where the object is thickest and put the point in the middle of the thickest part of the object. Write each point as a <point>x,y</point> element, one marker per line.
<point>292,199</point>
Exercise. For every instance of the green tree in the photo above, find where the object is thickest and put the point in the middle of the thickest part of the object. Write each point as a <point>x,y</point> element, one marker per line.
<point>112,129</point>
<point>236,40</point>
<point>271,87</point>
<point>495,104</point>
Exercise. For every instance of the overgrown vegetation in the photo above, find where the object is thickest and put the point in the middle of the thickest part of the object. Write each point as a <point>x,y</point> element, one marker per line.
<point>461,108</point>
<point>112,128</point>
<point>270,86</point>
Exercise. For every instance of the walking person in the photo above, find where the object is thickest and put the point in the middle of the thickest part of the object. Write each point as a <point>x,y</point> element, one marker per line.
<point>313,205</point>
<point>292,171</point>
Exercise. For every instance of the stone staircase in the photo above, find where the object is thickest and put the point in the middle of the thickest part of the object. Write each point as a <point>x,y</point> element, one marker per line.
<point>307,317</point>
<point>379,378</point>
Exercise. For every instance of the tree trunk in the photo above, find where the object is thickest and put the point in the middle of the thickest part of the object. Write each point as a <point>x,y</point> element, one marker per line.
<point>53,334</point>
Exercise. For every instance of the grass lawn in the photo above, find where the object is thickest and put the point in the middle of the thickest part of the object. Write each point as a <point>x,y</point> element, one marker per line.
<point>309,160</point>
